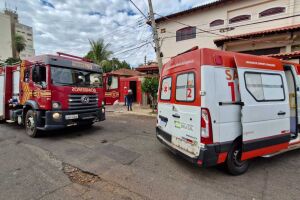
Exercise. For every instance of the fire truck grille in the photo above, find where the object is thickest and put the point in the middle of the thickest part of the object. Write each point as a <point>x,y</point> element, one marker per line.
<point>82,101</point>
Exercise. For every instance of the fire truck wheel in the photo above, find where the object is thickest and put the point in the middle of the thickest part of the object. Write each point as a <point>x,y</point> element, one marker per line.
<point>30,124</point>
<point>234,164</point>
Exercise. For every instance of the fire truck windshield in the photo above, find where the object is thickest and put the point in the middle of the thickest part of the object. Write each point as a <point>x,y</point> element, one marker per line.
<point>74,77</point>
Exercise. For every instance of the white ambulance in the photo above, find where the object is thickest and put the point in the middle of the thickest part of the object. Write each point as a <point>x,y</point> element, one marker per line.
<point>221,107</point>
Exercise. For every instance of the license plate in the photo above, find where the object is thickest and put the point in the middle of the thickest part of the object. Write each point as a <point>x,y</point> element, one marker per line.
<point>162,123</point>
<point>72,116</point>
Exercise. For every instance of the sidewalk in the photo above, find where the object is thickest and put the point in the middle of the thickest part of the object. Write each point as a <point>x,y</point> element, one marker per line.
<point>137,109</point>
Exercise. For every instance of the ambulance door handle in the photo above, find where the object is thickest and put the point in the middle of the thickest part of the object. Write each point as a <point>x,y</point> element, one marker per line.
<point>176,115</point>
<point>281,113</point>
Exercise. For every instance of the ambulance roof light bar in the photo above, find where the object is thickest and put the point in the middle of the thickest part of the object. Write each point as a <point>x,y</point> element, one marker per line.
<point>72,56</point>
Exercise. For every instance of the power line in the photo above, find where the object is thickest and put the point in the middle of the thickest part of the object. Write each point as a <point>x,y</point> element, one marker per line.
<point>252,14</point>
<point>253,23</point>
<point>139,9</point>
<point>131,49</point>
<point>217,34</point>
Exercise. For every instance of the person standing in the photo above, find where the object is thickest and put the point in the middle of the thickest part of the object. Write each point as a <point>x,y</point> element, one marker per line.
<point>125,95</point>
<point>129,100</point>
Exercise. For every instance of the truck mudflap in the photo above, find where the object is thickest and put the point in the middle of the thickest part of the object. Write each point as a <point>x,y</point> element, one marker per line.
<point>71,118</point>
<point>210,155</point>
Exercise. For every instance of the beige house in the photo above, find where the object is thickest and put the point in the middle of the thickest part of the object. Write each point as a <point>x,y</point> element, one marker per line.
<point>259,27</point>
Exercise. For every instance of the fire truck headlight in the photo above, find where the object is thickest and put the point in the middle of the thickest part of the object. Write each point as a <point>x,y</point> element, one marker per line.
<point>56,105</point>
<point>103,103</point>
<point>56,116</point>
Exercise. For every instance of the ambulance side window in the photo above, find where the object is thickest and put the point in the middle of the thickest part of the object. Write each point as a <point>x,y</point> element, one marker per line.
<point>265,86</point>
<point>166,89</point>
<point>185,87</point>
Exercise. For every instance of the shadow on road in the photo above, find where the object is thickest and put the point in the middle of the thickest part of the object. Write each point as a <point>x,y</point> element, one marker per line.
<point>71,132</point>
<point>257,164</point>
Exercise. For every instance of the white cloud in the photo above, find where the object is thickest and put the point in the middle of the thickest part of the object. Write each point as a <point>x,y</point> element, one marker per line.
<point>67,25</point>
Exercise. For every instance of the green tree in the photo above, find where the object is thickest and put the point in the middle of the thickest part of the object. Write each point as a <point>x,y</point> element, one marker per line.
<point>99,52</point>
<point>20,44</point>
<point>11,61</point>
<point>150,86</point>
<point>114,64</point>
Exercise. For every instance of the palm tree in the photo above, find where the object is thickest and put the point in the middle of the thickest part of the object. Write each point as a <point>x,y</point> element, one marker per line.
<point>20,44</point>
<point>99,52</point>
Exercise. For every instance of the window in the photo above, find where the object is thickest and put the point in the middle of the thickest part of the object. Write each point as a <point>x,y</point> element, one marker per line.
<point>27,75</point>
<point>73,77</point>
<point>272,11</point>
<point>166,89</point>
<point>265,87</point>
<point>39,74</point>
<point>186,33</point>
<point>239,18</point>
<point>112,83</point>
<point>217,22</point>
<point>260,52</point>
<point>185,87</point>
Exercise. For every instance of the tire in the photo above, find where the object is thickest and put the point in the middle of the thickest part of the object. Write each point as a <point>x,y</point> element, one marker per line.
<point>30,124</point>
<point>234,164</point>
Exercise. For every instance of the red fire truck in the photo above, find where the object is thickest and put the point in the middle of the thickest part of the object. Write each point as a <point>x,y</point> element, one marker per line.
<point>52,92</point>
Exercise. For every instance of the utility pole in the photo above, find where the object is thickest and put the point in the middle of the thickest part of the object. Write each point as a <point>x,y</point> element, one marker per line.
<point>155,37</point>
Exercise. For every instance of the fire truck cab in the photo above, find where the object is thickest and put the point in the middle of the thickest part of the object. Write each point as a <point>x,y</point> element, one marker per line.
<point>222,107</point>
<point>52,92</point>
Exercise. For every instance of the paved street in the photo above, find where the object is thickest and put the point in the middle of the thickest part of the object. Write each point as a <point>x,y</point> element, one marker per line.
<point>121,159</point>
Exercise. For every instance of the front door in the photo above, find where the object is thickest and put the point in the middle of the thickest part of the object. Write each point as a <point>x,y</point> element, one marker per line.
<point>265,113</point>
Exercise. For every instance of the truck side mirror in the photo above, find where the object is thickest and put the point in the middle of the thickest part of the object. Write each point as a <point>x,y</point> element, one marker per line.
<point>44,85</point>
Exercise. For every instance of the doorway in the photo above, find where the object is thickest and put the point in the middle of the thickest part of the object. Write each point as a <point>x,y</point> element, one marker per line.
<point>132,86</point>
<point>292,89</point>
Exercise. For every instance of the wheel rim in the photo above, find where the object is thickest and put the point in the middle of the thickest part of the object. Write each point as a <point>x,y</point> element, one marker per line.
<point>237,154</point>
<point>30,125</point>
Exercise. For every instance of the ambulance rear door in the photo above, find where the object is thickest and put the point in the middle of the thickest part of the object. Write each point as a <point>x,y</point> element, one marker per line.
<point>265,111</point>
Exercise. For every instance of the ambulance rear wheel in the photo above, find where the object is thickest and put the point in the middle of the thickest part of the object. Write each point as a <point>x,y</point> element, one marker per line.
<point>235,165</point>
<point>30,124</point>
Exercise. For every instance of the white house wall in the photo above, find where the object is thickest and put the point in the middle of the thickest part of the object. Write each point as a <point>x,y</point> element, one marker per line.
<point>202,18</point>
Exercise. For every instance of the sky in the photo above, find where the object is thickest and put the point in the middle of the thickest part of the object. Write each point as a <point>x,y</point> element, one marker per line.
<point>68,25</point>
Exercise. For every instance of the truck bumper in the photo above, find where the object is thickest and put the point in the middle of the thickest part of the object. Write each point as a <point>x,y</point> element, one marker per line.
<point>208,156</point>
<point>87,116</point>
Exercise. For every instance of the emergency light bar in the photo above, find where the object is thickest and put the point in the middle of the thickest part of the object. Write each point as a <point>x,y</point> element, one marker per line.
<point>72,56</point>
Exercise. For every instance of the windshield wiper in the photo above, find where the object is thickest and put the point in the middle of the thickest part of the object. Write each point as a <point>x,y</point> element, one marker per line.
<point>65,84</point>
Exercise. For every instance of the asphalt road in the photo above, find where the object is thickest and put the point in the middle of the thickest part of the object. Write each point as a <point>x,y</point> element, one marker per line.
<point>126,161</point>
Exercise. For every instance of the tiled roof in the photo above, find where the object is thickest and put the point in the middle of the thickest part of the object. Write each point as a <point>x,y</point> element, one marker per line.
<point>221,41</point>
<point>152,66</point>
<point>198,8</point>
<point>126,72</point>
<point>295,54</point>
